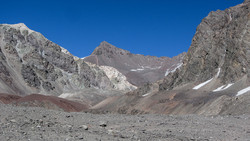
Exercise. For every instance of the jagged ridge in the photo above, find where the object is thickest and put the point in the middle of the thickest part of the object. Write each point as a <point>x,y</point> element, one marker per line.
<point>138,69</point>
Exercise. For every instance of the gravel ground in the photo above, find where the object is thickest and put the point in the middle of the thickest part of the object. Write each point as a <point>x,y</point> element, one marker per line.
<point>35,124</point>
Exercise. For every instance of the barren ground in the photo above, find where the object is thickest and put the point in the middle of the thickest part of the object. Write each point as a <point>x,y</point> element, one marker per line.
<point>25,123</point>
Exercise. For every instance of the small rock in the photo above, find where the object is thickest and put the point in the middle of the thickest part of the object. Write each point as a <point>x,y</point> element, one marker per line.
<point>103,123</point>
<point>110,132</point>
<point>85,127</point>
<point>121,136</point>
<point>143,130</point>
<point>81,138</point>
<point>13,120</point>
<point>68,116</point>
<point>24,133</point>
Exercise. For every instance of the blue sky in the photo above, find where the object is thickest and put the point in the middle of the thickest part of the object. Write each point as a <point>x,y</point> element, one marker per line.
<point>149,27</point>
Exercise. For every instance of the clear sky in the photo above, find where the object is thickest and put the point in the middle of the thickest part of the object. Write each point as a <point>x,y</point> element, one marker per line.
<point>149,27</point>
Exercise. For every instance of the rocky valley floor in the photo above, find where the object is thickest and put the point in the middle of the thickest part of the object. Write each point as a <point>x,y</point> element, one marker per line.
<point>35,124</point>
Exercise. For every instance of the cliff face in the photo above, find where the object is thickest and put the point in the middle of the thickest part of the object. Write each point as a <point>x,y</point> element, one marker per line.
<point>138,69</point>
<point>30,63</point>
<point>221,44</point>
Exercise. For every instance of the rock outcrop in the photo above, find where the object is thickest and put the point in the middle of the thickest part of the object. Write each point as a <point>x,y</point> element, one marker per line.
<point>221,44</point>
<point>118,79</point>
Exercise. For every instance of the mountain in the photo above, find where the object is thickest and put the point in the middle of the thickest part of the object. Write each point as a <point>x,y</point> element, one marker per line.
<point>30,63</point>
<point>214,78</point>
<point>138,69</point>
<point>219,48</point>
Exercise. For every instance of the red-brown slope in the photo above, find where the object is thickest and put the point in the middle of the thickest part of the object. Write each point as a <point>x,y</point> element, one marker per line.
<point>48,102</point>
<point>8,98</point>
<point>51,102</point>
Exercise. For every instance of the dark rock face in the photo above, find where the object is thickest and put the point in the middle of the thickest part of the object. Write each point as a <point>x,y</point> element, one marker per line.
<point>222,41</point>
<point>30,77</point>
<point>29,63</point>
<point>138,69</point>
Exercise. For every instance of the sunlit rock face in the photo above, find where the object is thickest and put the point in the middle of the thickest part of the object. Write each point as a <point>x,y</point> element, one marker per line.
<point>30,63</point>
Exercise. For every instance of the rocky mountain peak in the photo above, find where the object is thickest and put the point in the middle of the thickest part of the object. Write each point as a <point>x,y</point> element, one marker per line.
<point>20,26</point>
<point>138,69</point>
<point>108,50</point>
<point>105,44</point>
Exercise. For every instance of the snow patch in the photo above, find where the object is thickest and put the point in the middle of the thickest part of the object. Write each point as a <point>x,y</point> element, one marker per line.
<point>219,88</point>
<point>243,91</point>
<point>173,70</point>
<point>146,94</point>
<point>65,95</point>
<point>230,17</point>
<point>222,88</point>
<point>218,73</point>
<point>136,69</point>
<point>202,84</point>
<point>229,85</point>
<point>167,72</point>
<point>145,68</point>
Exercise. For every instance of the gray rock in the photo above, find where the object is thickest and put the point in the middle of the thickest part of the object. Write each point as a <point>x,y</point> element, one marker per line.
<point>85,127</point>
<point>103,123</point>
<point>13,121</point>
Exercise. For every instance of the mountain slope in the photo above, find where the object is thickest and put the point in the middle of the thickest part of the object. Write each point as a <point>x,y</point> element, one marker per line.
<point>138,69</point>
<point>30,63</point>
<point>214,78</point>
<point>221,44</point>
<point>48,102</point>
